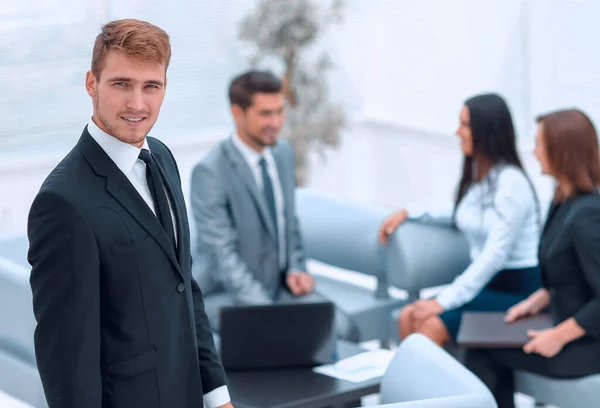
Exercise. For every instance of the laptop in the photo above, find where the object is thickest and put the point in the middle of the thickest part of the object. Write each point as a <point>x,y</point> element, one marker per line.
<point>277,335</point>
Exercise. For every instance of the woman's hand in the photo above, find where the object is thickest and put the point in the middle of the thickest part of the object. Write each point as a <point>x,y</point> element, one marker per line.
<point>520,310</point>
<point>528,307</point>
<point>547,343</point>
<point>389,225</point>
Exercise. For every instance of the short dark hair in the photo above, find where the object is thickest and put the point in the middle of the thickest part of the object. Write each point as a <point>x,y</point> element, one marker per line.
<point>244,86</point>
<point>572,147</point>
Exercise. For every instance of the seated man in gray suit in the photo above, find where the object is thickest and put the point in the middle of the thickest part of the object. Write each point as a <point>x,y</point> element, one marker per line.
<point>249,244</point>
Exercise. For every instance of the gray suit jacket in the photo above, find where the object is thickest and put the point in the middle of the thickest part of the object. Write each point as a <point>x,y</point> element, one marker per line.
<point>236,246</point>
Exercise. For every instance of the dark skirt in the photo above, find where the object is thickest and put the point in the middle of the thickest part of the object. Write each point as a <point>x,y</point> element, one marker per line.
<point>506,289</point>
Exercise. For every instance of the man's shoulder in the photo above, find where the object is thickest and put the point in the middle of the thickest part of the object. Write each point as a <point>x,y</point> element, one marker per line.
<point>67,183</point>
<point>64,177</point>
<point>159,148</point>
<point>216,158</point>
<point>283,147</point>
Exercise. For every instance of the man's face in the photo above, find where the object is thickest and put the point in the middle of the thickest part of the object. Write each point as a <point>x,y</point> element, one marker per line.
<point>127,96</point>
<point>260,123</point>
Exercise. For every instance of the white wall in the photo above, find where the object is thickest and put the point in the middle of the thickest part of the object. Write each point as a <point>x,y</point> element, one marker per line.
<point>565,63</point>
<point>403,68</point>
<point>428,56</point>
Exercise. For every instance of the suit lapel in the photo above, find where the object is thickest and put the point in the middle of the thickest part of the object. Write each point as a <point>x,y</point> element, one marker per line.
<point>245,173</point>
<point>288,193</point>
<point>551,215</point>
<point>553,229</point>
<point>118,186</point>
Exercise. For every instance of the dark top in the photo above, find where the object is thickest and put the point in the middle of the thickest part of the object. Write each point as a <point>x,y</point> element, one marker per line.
<point>569,257</point>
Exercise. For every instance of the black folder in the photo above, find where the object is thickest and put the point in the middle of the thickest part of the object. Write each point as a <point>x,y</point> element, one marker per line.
<point>489,330</point>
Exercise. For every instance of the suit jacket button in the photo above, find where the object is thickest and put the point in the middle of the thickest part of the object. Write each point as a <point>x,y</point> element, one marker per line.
<point>181,287</point>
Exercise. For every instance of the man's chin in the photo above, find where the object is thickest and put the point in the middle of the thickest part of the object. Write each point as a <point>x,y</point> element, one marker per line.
<point>136,139</point>
<point>270,141</point>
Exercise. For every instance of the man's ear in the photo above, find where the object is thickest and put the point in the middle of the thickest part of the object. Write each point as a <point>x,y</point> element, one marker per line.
<point>237,112</point>
<point>91,84</point>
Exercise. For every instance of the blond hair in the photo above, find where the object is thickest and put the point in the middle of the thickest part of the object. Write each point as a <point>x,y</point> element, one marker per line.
<point>136,39</point>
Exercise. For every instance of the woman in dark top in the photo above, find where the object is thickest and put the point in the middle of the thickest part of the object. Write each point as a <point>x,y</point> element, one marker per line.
<point>569,260</point>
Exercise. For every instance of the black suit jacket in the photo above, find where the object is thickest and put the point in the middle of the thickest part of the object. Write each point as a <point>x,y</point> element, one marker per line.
<point>121,322</point>
<point>570,265</point>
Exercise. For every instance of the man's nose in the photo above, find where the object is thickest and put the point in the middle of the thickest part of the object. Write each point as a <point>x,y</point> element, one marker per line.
<point>136,100</point>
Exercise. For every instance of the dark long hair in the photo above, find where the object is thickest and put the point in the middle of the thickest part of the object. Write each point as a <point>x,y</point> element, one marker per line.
<point>494,140</point>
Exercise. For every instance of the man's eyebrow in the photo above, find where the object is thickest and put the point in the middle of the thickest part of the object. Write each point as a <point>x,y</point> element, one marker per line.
<point>126,79</point>
<point>119,79</point>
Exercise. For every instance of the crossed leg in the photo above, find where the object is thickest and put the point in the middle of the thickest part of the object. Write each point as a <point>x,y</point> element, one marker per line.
<point>432,326</point>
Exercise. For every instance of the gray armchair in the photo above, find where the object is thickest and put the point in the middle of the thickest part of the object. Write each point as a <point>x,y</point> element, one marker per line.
<point>423,256</point>
<point>565,393</point>
<point>344,235</point>
<point>423,375</point>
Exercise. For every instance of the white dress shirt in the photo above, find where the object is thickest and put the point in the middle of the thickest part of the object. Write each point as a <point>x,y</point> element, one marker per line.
<point>500,221</point>
<point>126,157</point>
<point>253,157</point>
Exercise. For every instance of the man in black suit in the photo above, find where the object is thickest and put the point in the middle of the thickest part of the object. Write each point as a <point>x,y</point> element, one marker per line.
<point>121,322</point>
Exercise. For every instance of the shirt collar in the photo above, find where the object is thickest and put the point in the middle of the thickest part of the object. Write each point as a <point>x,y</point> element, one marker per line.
<point>122,154</point>
<point>251,156</point>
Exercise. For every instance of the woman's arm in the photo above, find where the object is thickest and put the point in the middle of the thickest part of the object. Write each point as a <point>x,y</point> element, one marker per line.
<point>586,240</point>
<point>569,330</point>
<point>442,217</point>
<point>531,306</point>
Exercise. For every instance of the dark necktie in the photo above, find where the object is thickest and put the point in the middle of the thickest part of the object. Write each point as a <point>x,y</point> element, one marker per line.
<point>269,195</point>
<point>159,195</point>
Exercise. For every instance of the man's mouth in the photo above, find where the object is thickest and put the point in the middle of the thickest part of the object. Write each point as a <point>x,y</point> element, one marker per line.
<point>133,118</point>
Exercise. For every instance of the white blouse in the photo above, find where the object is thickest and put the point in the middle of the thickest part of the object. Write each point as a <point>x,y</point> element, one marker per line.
<point>500,220</point>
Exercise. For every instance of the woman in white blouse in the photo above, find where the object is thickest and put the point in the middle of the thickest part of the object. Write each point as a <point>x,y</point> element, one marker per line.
<point>496,209</point>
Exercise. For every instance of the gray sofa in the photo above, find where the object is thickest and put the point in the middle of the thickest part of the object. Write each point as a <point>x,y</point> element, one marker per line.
<point>18,370</point>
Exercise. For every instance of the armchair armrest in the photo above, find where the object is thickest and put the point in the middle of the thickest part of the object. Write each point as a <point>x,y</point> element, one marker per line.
<point>423,255</point>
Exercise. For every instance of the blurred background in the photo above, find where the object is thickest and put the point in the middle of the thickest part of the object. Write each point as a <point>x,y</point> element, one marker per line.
<point>399,70</point>
<point>374,87</point>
